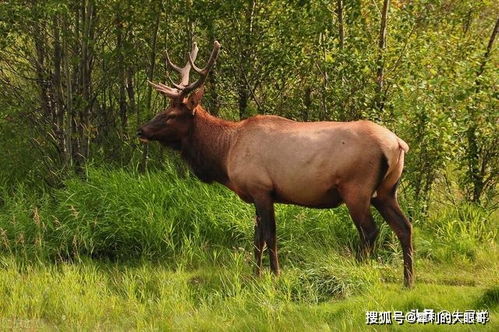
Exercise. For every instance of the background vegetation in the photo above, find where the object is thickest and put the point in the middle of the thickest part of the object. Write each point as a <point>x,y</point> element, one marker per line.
<point>99,231</point>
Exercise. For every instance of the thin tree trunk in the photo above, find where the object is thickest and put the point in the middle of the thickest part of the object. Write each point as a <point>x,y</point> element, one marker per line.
<point>473,154</point>
<point>121,75</point>
<point>341,31</point>
<point>341,45</point>
<point>325,79</point>
<point>212,78</point>
<point>150,74</point>
<point>58,93</point>
<point>467,23</point>
<point>380,93</point>
<point>189,24</point>
<point>41,76</point>
<point>77,79</point>
<point>307,102</point>
<point>152,64</point>
<point>131,100</point>
<point>245,64</point>
<point>68,119</point>
<point>87,51</point>
<point>487,54</point>
<point>130,89</point>
<point>243,97</point>
<point>84,34</point>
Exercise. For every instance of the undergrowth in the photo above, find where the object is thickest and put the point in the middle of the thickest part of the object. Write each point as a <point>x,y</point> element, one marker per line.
<point>123,250</point>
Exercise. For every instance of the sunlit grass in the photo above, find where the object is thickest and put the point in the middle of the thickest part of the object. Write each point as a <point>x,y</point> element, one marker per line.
<point>97,295</point>
<point>123,251</point>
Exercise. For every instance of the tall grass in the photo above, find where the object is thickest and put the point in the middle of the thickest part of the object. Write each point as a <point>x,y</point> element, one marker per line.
<point>116,214</point>
<point>159,251</point>
<point>121,215</point>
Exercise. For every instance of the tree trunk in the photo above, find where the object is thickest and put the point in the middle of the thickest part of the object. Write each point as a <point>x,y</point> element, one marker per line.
<point>121,75</point>
<point>245,61</point>
<point>150,74</point>
<point>130,90</point>
<point>84,33</point>
<point>214,100</point>
<point>307,102</point>
<point>325,80</point>
<point>69,105</point>
<point>243,100</point>
<point>41,75</point>
<point>59,128</point>
<point>341,31</point>
<point>380,91</point>
<point>477,177</point>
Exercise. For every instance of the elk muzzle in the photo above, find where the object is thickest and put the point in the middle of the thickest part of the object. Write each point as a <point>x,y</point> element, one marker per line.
<point>141,135</point>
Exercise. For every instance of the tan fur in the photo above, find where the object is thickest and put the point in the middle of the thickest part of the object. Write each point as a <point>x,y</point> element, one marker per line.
<point>303,162</point>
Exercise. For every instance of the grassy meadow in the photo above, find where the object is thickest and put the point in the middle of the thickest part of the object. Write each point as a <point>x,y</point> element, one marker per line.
<point>155,251</point>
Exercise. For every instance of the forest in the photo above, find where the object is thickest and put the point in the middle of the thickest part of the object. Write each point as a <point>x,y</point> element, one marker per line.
<point>101,232</point>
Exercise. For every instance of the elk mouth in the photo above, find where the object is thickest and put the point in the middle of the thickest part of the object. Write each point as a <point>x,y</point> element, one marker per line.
<point>141,136</point>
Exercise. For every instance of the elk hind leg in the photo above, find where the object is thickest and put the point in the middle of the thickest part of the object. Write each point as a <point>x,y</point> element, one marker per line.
<point>389,209</point>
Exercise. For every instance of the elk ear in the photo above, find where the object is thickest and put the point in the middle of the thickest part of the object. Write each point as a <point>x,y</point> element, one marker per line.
<point>194,99</point>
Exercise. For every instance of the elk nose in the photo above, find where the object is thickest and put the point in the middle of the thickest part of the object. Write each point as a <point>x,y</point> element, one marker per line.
<point>140,132</point>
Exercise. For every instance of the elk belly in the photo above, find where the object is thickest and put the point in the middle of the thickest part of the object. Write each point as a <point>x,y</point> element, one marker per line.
<point>325,199</point>
<point>302,186</point>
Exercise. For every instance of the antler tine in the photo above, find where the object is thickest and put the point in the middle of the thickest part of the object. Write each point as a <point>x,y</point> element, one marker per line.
<point>166,90</point>
<point>187,68</point>
<point>183,88</point>
<point>202,72</point>
<point>177,86</point>
<point>184,71</point>
<point>194,52</point>
<point>171,64</point>
<point>211,61</point>
<point>196,68</point>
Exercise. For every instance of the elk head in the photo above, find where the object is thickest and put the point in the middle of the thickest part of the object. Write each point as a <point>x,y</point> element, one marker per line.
<point>170,126</point>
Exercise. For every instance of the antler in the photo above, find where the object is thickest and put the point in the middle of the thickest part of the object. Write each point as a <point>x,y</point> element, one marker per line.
<point>184,72</point>
<point>184,88</point>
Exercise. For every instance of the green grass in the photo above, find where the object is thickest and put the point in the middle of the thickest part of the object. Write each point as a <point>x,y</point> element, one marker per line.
<point>112,296</point>
<point>122,251</point>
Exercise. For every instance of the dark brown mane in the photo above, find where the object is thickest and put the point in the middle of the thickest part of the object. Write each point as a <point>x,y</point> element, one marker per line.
<point>206,147</point>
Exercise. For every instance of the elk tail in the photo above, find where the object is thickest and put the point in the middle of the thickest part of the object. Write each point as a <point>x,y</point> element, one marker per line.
<point>388,183</point>
<point>403,145</point>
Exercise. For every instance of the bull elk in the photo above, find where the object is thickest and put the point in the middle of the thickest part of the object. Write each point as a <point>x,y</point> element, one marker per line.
<point>269,159</point>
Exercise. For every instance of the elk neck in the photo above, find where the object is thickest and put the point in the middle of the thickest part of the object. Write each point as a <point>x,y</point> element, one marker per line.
<point>207,146</point>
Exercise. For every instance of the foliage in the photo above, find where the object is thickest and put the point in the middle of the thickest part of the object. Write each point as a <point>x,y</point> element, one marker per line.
<point>74,78</point>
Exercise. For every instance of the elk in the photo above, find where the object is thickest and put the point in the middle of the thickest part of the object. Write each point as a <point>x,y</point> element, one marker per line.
<point>268,159</point>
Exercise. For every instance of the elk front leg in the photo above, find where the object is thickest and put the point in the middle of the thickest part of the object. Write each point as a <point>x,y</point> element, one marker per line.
<point>358,206</point>
<point>265,211</point>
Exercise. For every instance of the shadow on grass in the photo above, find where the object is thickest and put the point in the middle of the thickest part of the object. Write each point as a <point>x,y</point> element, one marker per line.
<point>489,299</point>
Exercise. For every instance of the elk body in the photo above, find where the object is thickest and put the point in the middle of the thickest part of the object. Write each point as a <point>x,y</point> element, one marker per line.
<point>270,159</point>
